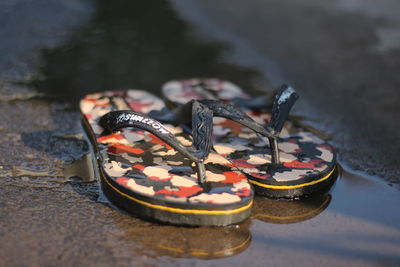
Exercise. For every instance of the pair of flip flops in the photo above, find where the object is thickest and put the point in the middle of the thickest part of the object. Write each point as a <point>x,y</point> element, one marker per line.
<point>194,164</point>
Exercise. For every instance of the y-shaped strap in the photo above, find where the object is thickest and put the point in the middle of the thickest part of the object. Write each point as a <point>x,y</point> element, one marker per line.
<point>284,100</point>
<point>201,118</point>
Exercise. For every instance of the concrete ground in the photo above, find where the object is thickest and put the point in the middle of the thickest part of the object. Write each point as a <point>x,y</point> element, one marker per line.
<point>342,56</point>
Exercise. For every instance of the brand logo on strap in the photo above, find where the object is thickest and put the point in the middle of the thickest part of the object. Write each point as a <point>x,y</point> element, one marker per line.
<point>133,117</point>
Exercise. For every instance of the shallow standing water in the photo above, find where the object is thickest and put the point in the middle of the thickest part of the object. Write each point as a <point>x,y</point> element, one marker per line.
<point>49,220</point>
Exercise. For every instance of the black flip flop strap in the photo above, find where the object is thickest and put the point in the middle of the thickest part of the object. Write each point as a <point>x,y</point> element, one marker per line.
<point>284,100</point>
<point>226,110</point>
<point>283,103</point>
<point>201,121</point>
<point>258,103</point>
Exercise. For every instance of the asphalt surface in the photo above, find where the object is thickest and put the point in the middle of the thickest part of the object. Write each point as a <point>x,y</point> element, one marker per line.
<point>342,56</point>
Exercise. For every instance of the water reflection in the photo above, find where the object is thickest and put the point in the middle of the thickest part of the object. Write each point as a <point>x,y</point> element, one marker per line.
<point>186,242</point>
<point>217,242</point>
<point>289,211</point>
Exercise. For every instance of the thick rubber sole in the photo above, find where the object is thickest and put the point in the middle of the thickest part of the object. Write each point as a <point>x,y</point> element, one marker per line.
<point>172,214</point>
<point>298,189</point>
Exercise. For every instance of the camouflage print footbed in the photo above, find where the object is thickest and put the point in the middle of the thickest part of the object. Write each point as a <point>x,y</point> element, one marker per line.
<point>182,91</point>
<point>305,157</point>
<point>145,165</point>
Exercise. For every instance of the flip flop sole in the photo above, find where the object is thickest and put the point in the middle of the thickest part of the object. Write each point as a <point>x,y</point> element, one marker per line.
<point>167,213</point>
<point>304,187</point>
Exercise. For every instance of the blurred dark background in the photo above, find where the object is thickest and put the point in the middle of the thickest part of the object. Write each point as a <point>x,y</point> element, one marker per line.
<point>127,44</point>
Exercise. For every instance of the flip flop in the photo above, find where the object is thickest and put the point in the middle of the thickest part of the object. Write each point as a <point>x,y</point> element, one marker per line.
<point>291,164</point>
<point>157,171</point>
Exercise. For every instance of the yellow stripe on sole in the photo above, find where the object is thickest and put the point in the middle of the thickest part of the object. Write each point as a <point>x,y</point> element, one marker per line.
<point>293,186</point>
<point>178,210</point>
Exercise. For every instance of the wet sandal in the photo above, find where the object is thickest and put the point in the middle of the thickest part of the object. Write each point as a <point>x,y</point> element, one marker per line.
<point>157,171</point>
<point>291,164</point>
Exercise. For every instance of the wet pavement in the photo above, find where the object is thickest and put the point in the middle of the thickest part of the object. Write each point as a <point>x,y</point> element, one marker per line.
<point>342,56</point>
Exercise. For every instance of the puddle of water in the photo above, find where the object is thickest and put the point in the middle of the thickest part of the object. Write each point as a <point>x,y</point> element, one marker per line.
<point>65,170</point>
<point>79,169</point>
<point>360,225</point>
<point>21,172</point>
